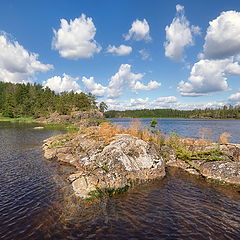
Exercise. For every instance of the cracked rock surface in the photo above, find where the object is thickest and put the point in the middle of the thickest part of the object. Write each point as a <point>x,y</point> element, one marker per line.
<point>100,166</point>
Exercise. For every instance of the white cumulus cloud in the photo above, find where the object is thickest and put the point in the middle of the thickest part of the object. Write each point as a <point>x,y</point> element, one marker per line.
<point>75,39</point>
<point>125,78</point>
<point>62,84</point>
<point>233,68</point>
<point>219,59</point>
<point>120,51</point>
<point>234,97</point>
<point>95,88</point>
<point>150,86</point>
<point>140,30</point>
<point>209,76</point>
<point>16,63</point>
<point>121,81</point>
<point>223,36</point>
<point>179,35</point>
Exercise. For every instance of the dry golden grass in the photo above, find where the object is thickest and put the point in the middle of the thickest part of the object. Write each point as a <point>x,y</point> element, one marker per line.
<point>134,128</point>
<point>107,131</point>
<point>224,138</point>
<point>195,142</point>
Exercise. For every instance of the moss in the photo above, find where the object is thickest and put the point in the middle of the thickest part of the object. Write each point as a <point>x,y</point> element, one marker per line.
<point>106,192</point>
<point>188,156</point>
<point>61,140</point>
<point>95,194</point>
<point>55,144</point>
<point>99,120</point>
<point>164,155</point>
<point>113,191</point>
<point>211,155</point>
<point>105,167</point>
<point>62,126</point>
<point>20,119</point>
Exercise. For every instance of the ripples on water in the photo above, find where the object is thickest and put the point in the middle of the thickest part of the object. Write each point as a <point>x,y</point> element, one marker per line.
<point>26,180</point>
<point>178,207</point>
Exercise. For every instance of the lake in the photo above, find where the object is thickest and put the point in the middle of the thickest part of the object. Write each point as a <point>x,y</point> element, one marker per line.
<point>36,202</point>
<point>191,128</point>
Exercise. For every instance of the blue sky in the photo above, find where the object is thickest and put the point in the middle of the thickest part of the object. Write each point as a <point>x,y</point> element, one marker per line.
<point>131,54</point>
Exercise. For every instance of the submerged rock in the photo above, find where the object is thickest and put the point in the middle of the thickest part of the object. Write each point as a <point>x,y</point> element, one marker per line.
<point>40,127</point>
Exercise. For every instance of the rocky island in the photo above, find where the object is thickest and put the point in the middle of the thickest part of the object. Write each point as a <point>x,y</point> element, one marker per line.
<point>108,159</point>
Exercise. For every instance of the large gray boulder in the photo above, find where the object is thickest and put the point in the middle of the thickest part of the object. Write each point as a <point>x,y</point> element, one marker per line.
<point>124,160</point>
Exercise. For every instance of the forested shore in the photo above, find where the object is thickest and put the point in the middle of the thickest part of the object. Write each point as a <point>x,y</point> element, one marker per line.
<point>27,100</point>
<point>32,100</point>
<point>226,112</point>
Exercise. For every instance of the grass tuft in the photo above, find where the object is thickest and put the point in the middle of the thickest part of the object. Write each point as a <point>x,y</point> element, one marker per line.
<point>224,138</point>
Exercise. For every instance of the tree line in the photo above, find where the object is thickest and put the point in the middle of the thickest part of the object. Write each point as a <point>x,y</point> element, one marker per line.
<point>208,113</point>
<point>32,100</point>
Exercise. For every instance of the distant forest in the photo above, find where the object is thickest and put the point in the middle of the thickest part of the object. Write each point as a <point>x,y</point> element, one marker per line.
<point>27,100</point>
<point>208,113</point>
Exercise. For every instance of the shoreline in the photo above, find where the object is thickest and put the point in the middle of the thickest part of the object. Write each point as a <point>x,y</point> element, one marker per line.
<point>87,147</point>
<point>104,157</point>
<point>175,118</point>
<point>101,153</point>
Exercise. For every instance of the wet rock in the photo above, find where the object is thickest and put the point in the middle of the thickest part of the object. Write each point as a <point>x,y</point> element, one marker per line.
<point>192,171</point>
<point>191,168</point>
<point>67,158</point>
<point>50,153</point>
<point>40,127</point>
<point>228,172</point>
<point>177,163</point>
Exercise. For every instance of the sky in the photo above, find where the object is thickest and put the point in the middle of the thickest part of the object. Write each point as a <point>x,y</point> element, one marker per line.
<point>131,54</point>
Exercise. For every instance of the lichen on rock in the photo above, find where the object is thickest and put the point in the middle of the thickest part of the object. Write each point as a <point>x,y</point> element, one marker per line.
<point>228,172</point>
<point>112,166</point>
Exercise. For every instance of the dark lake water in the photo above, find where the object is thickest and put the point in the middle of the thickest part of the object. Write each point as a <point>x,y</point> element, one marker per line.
<point>36,204</point>
<point>191,128</point>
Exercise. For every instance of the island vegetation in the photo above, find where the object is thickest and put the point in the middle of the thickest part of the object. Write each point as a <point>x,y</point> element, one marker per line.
<point>208,113</point>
